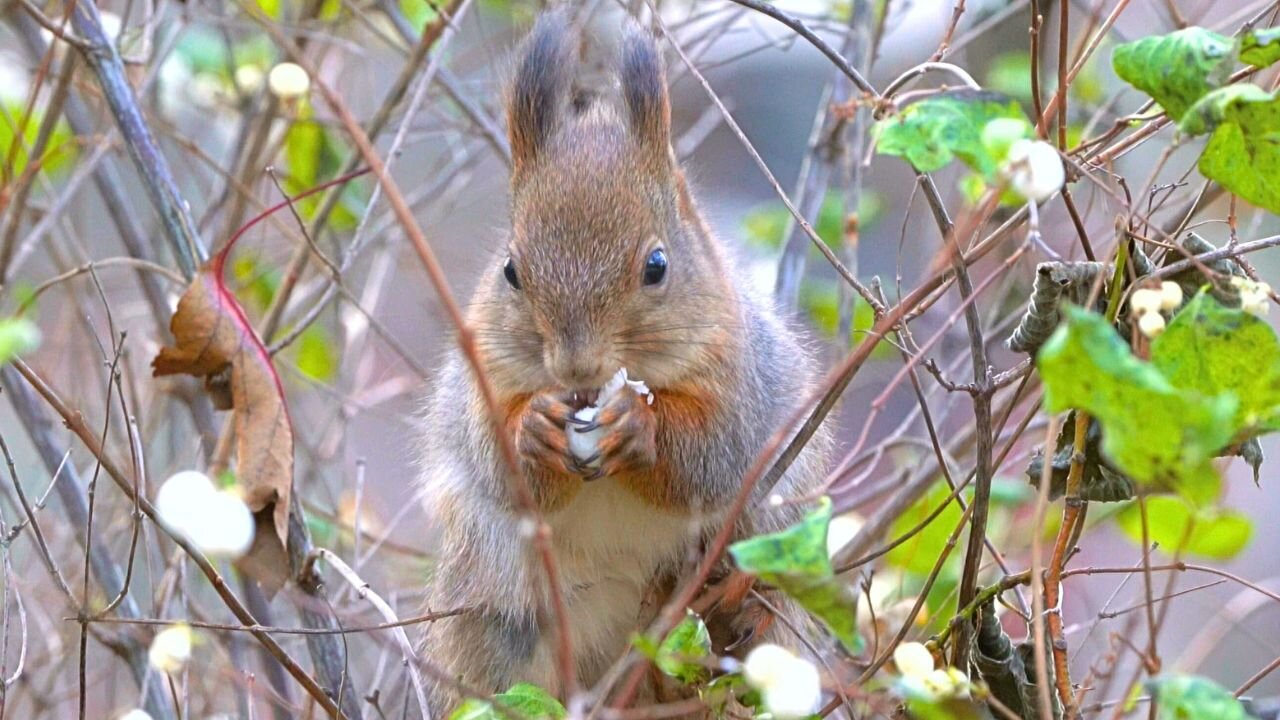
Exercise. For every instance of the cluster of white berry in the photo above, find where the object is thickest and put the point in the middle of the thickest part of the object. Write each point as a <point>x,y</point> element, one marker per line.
<point>921,680</point>
<point>789,686</point>
<point>1255,297</point>
<point>1147,304</point>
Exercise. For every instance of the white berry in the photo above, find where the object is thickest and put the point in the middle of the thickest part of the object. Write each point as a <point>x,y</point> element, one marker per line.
<point>790,686</point>
<point>1151,324</point>
<point>1170,296</point>
<point>913,659</point>
<point>1034,169</point>
<point>288,81</point>
<point>171,648</point>
<point>1145,300</point>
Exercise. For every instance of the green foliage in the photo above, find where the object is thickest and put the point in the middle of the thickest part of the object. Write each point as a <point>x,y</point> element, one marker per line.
<point>1176,69</point>
<point>1242,154</point>
<point>17,336</point>
<point>679,654</point>
<point>1186,697</point>
<point>1177,525</point>
<point>764,226</point>
<point>317,357</point>
<point>1260,48</point>
<point>17,126</point>
<point>314,154</point>
<point>418,13</point>
<point>931,132</point>
<point>529,702</point>
<point>1214,349</point>
<point>795,561</point>
<point>921,551</point>
<point>1154,431</point>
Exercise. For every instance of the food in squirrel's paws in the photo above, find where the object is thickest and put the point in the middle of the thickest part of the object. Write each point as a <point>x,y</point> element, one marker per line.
<point>585,445</point>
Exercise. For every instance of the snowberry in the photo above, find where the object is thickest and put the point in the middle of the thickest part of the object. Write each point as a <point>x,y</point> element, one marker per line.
<point>841,531</point>
<point>790,686</point>
<point>216,521</point>
<point>913,659</point>
<point>1170,296</point>
<point>1145,300</point>
<point>249,78</point>
<point>1034,169</point>
<point>1255,297</point>
<point>171,648</point>
<point>1151,324</point>
<point>288,81</point>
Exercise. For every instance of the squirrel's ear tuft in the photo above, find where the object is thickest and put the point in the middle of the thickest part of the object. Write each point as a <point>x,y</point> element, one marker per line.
<point>644,87</point>
<point>541,84</point>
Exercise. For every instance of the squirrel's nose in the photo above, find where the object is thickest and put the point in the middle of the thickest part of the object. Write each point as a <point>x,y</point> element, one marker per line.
<point>578,366</point>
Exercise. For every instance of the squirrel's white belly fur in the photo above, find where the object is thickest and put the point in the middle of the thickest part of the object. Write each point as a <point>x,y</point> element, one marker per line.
<point>608,548</point>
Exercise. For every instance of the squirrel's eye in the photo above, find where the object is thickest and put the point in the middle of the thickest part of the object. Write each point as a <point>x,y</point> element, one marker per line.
<point>655,268</point>
<point>509,270</point>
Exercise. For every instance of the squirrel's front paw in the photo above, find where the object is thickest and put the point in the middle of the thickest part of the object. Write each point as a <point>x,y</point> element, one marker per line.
<point>628,441</point>
<point>540,434</point>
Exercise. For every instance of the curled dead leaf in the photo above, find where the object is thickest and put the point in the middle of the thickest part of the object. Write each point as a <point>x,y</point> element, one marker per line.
<point>214,340</point>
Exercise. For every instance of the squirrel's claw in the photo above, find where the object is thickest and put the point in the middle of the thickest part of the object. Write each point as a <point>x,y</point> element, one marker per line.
<point>585,426</point>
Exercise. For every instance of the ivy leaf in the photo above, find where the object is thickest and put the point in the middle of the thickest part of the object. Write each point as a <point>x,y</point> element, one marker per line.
<point>1182,697</point>
<point>795,561</point>
<point>1243,154</point>
<point>1211,348</point>
<point>1260,48</point>
<point>676,656</point>
<point>933,131</point>
<point>1174,524</point>
<point>1153,431</point>
<point>17,336</point>
<point>526,700</point>
<point>1176,69</point>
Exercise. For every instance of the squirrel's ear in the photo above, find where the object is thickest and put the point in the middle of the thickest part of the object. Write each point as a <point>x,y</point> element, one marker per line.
<point>541,82</point>
<point>644,87</point>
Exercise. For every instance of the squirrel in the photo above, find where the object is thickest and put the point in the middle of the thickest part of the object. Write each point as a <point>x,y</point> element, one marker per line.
<point>608,265</point>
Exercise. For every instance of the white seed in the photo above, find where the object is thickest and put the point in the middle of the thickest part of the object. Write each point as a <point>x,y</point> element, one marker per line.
<point>288,81</point>
<point>1170,296</point>
<point>913,659</point>
<point>1151,324</point>
<point>1034,169</point>
<point>584,445</point>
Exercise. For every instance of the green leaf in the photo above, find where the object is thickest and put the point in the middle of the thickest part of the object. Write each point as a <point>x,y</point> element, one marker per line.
<point>316,356</point>
<point>17,336</point>
<point>418,13</point>
<point>1186,697</point>
<point>689,642</point>
<point>529,701</point>
<point>795,561</point>
<point>1176,525</point>
<point>532,702</point>
<point>1175,69</point>
<point>931,132</point>
<point>1243,154</point>
<point>1152,431</point>
<point>921,551</point>
<point>1260,48</point>
<point>15,123</point>
<point>1214,349</point>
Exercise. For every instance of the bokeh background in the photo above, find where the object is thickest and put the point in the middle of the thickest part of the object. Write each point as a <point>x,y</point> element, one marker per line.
<point>356,376</point>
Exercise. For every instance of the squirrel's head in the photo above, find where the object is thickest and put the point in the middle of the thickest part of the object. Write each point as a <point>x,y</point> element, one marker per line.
<point>608,264</point>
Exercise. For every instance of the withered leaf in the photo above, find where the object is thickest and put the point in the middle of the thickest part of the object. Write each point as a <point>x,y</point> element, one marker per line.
<point>214,340</point>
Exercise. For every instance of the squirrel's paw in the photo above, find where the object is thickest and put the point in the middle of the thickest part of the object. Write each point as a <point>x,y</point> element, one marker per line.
<point>629,439</point>
<point>540,435</point>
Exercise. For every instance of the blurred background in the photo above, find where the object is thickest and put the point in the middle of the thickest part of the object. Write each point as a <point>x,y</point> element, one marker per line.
<point>356,363</point>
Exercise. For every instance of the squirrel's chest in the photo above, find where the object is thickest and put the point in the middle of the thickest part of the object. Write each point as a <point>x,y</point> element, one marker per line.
<point>608,535</point>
